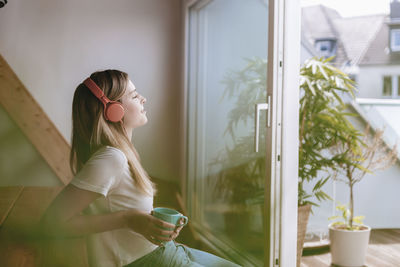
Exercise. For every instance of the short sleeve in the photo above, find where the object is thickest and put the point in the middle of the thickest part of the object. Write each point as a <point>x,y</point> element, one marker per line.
<point>100,173</point>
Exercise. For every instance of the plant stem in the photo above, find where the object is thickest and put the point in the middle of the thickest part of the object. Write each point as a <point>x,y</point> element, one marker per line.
<point>351,184</point>
<point>303,120</point>
<point>351,206</point>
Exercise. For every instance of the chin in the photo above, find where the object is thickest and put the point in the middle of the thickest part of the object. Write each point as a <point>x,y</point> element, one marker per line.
<point>145,120</point>
<point>144,123</point>
<point>139,123</point>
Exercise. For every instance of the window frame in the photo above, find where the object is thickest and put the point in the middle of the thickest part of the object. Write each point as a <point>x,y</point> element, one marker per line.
<point>332,46</point>
<point>393,46</point>
<point>390,85</point>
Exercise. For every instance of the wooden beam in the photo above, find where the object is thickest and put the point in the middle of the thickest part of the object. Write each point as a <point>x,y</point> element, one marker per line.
<point>34,123</point>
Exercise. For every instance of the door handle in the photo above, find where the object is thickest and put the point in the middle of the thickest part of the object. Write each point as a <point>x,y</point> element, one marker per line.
<point>258,108</point>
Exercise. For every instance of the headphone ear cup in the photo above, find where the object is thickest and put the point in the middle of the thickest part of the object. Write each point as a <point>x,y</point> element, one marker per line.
<point>114,112</point>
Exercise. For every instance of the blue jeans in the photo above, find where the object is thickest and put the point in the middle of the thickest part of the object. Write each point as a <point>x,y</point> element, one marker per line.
<point>176,255</point>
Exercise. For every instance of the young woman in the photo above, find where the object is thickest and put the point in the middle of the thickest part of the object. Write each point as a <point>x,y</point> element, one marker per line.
<point>110,199</point>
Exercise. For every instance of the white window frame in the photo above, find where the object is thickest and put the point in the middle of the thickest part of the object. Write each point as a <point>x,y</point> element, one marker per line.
<point>393,46</point>
<point>288,188</point>
<point>395,82</point>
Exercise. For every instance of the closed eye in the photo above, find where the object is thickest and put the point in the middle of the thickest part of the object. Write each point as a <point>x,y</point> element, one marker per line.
<point>134,94</point>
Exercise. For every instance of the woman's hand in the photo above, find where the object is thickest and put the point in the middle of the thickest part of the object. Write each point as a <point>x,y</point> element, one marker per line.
<point>152,228</point>
<point>178,229</point>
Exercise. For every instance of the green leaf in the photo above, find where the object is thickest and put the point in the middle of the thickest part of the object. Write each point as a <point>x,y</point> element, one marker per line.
<point>359,166</point>
<point>338,223</point>
<point>341,208</point>
<point>358,219</point>
<point>334,218</point>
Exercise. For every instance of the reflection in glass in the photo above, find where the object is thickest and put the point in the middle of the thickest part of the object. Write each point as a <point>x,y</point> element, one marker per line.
<point>226,81</point>
<point>237,174</point>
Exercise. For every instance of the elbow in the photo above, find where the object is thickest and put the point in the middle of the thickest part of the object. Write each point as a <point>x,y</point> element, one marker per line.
<point>51,227</point>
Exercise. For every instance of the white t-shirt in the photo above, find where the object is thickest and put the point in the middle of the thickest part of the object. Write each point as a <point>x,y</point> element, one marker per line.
<point>107,173</point>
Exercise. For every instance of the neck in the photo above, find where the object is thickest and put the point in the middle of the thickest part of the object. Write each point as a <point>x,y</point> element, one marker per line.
<point>129,133</point>
<point>128,130</point>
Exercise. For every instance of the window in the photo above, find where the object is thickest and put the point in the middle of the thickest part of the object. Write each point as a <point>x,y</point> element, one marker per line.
<point>387,86</point>
<point>220,174</point>
<point>326,47</point>
<point>226,178</point>
<point>398,85</point>
<point>395,40</point>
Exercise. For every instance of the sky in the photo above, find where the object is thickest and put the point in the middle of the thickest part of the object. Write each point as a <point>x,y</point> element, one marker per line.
<point>352,8</point>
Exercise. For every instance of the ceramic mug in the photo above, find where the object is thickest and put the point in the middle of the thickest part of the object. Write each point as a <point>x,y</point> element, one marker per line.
<point>170,216</point>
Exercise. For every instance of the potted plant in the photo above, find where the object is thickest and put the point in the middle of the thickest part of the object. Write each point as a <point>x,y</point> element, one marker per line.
<point>349,238</point>
<point>323,121</point>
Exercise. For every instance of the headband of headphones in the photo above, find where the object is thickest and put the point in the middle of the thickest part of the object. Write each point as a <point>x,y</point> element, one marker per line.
<point>113,110</point>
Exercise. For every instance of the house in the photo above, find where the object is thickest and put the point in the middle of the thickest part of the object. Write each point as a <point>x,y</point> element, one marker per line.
<point>347,39</point>
<point>379,67</point>
<point>365,47</point>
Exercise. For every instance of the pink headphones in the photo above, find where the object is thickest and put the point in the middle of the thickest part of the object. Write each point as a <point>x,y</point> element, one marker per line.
<point>113,110</point>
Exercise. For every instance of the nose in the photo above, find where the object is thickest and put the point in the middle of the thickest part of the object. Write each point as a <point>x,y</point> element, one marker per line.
<point>143,99</point>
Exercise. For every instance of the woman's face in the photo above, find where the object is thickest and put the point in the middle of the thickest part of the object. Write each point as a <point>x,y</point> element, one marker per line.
<point>132,101</point>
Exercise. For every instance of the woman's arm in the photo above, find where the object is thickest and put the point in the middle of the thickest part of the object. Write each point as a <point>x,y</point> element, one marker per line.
<point>64,218</point>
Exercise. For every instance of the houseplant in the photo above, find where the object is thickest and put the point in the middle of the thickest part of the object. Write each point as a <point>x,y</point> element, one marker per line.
<point>349,237</point>
<point>323,121</point>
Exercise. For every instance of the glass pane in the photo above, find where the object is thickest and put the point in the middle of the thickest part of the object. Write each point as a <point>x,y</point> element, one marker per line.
<point>396,37</point>
<point>387,86</point>
<point>230,38</point>
<point>398,86</point>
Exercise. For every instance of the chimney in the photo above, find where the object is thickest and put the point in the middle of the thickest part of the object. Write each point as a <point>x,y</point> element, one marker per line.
<point>395,10</point>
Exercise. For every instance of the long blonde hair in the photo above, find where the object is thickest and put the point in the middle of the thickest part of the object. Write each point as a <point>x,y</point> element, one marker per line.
<point>91,131</point>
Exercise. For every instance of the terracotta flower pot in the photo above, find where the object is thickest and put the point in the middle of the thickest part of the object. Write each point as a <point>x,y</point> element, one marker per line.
<point>348,248</point>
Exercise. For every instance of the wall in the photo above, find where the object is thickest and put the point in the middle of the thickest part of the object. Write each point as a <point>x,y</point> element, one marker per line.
<point>53,45</point>
<point>305,53</point>
<point>374,196</point>
<point>370,80</point>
